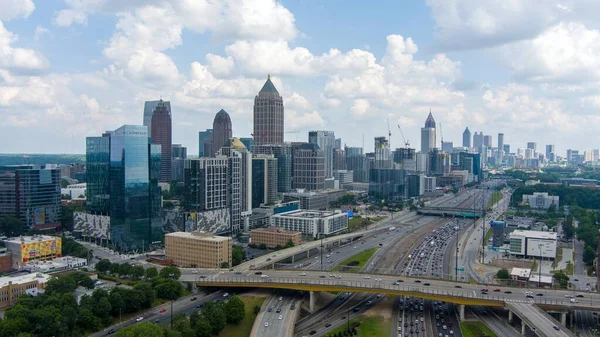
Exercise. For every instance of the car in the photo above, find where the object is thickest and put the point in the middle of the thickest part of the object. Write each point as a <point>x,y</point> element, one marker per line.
<point>496,290</point>
<point>539,294</point>
<point>422,319</point>
<point>139,319</point>
<point>576,280</point>
<point>163,310</point>
<point>323,276</point>
<point>378,295</point>
<point>293,306</point>
<point>266,324</point>
<point>458,287</point>
<point>327,325</point>
<point>529,296</point>
<point>264,276</point>
<point>118,283</point>
<point>484,292</point>
<point>444,327</point>
<point>312,332</point>
<point>193,298</point>
<point>367,277</point>
<point>484,289</point>
<point>579,295</point>
<point>225,294</point>
<point>426,284</point>
<point>451,332</point>
<point>199,306</point>
<point>369,302</point>
<point>278,310</point>
<point>422,328</point>
<point>270,309</point>
<point>569,296</point>
<point>406,324</point>
<point>302,274</point>
<point>344,317</point>
<point>268,259</point>
<point>400,281</point>
<point>281,298</point>
<point>280,317</point>
<point>555,327</point>
<point>112,331</point>
<point>574,301</point>
<point>508,292</point>
<point>258,273</point>
<point>156,320</point>
<point>417,281</point>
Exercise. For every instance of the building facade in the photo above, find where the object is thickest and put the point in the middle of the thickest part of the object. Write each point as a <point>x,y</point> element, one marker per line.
<point>268,115</point>
<point>205,143</point>
<point>326,142</point>
<point>500,148</point>
<point>541,200</point>
<point>383,154</point>
<point>273,237</point>
<point>206,182</point>
<point>264,180</point>
<point>313,223</point>
<point>221,131</point>
<point>309,167</point>
<point>533,244</point>
<point>30,248</point>
<point>161,130</point>
<point>13,287</point>
<point>283,154</point>
<point>149,107</point>
<point>30,194</point>
<point>198,249</point>
<point>428,135</point>
<point>466,138</point>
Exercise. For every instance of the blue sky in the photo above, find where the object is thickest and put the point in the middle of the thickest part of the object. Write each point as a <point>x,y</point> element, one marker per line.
<point>74,68</point>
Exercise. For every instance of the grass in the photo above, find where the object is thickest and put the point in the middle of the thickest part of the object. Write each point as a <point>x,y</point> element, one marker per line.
<point>243,328</point>
<point>559,253</point>
<point>355,223</point>
<point>361,258</point>
<point>475,329</point>
<point>488,235</point>
<point>366,327</point>
<point>496,196</point>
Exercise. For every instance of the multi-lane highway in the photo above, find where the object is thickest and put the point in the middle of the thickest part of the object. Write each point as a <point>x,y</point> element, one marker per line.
<point>275,321</point>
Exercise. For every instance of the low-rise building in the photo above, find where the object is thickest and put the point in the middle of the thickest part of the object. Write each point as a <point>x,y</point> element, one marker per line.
<point>314,199</point>
<point>5,260</point>
<point>75,191</point>
<point>273,237</point>
<point>57,264</point>
<point>198,249</point>
<point>312,223</point>
<point>541,200</point>
<point>520,274</point>
<point>35,247</point>
<point>11,288</point>
<point>533,244</point>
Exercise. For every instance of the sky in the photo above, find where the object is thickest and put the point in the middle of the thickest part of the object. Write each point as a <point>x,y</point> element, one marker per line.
<point>76,68</point>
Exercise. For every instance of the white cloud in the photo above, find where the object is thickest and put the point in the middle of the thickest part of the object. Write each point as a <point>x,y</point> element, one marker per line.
<point>12,9</point>
<point>262,56</point>
<point>18,58</point>
<point>218,65</point>
<point>68,17</point>
<point>360,107</point>
<point>40,31</point>
<point>297,101</point>
<point>295,121</point>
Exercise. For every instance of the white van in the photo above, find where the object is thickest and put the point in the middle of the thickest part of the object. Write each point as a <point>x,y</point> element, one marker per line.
<point>264,276</point>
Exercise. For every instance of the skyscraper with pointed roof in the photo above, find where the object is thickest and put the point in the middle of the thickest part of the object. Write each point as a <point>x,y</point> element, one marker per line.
<point>161,133</point>
<point>268,115</point>
<point>221,131</point>
<point>428,134</point>
<point>466,138</point>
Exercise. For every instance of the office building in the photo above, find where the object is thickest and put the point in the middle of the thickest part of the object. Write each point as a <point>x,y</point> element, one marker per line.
<point>343,176</point>
<point>415,185</point>
<point>532,145</point>
<point>273,237</point>
<point>198,249</point>
<point>500,148</point>
<point>206,182</point>
<point>205,143</point>
<point>506,148</point>
<point>339,159</point>
<point>387,183</point>
<point>160,131</point>
<point>314,199</point>
<point>264,180</point>
<point>549,152</point>
<point>478,140</point>
<point>308,167</point>
<point>129,187</point>
<point>74,191</point>
<point>30,194</point>
<point>149,107</point>
<point>268,115</point>
<point>178,156</point>
<point>221,130</point>
<point>541,200</point>
<point>13,287</point>
<point>326,142</point>
<point>466,139</point>
<point>29,248</point>
<point>358,163</point>
<point>428,134</point>
<point>248,143</point>
<point>178,151</point>
<point>430,184</point>
<point>487,141</point>
<point>313,223</point>
<point>533,244</point>
<point>353,151</point>
<point>283,154</point>
<point>447,147</point>
<point>471,162</point>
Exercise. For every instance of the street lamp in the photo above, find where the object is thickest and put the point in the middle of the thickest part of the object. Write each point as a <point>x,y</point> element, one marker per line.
<point>540,270</point>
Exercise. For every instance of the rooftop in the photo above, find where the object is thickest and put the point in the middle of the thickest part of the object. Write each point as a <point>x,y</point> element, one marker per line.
<point>535,234</point>
<point>274,230</point>
<point>31,239</point>
<point>430,122</point>
<point>307,214</point>
<point>269,87</point>
<point>41,278</point>
<point>201,236</point>
<point>521,272</point>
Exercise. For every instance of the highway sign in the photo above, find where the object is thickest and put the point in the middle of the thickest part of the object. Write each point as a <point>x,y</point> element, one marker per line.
<point>460,269</point>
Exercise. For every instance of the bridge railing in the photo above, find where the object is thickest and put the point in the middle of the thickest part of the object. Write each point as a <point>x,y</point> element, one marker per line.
<point>405,288</point>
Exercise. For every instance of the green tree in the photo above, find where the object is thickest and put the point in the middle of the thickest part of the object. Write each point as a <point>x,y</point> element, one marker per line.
<point>117,304</point>
<point>234,310</point>
<point>503,274</point>
<point>203,328</point>
<point>82,279</point>
<point>60,285</point>
<point>66,215</point>
<point>588,255</point>
<point>262,246</point>
<point>69,316</point>
<point>215,315</point>
<point>103,266</point>
<point>147,292</point>
<point>87,321</point>
<point>141,330</point>
<point>289,244</point>
<point>562,279</point>
<point>12,327</point>
<point>137,272</point>
<point>125,269</point>
<point>256,309</point>
<point>114,268</point>
<point>194,318</point>
<point>182,324</point>
<point>102,310</point>
<point>48,321</point>
<point>225,265</point>
<point>150,273</point>
<point>64,183</point>
<point>237,255</point>
<point>170,272</point>
<point>168,289</point>
<point>73,248</point>
<point>12,226</point>
<point>172,333</point>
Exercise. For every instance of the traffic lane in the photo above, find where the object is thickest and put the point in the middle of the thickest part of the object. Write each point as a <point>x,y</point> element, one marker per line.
<point>280,325</point>
<point>267,319</point>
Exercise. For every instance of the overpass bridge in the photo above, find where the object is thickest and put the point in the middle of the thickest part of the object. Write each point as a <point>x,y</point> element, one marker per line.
<point>450,211</point>
<point>459,293</point>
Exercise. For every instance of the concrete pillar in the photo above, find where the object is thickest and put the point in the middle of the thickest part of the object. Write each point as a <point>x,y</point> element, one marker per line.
<point>510,316</point>
<point>293,256</point>
<point>307,253</point>
<point>462,312</point>
<point>563,318</point>
<point>572,314</point>
<point>523,326</point>
<point>311,302</point>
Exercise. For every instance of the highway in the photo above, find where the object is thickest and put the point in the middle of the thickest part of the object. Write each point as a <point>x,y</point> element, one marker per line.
<point>498,325</point>
<point>275,321</point>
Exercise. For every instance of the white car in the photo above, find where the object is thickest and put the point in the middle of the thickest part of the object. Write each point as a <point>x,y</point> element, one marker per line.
<point>451,332</point>
<point>264,276</point>
<point>266,324</point>
<point>302,274</point>
<point>367,277</point>
<point>194,272</point>
<point>139,319</point>
<point>281,298</point>
<point>280,317</point>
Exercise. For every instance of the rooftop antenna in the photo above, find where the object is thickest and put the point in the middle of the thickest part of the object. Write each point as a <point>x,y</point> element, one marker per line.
<point>389,134</point>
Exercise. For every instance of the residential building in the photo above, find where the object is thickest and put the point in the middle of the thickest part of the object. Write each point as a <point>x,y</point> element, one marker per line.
<point>13,287</point>
<point>31,194</point>
<point>466,138</point>
<point>205,143</point>
<point>533,244</point>
<point>264,180</point>
<point>428,135</point>
<point>126,187</point>
<point>326,142</point>
<point>541,200</point>
<point>160,131</point>
<point>273,237</point>
<point>30,248</point>
<point>206,182</point>
<point>309,167</point>
<point>268,115</point>
<point>383,155</point>
<point>359,165</point>
<point>198,249</point>
<point>221,130</point>
<point>149,107</point>
<point>313,223</point>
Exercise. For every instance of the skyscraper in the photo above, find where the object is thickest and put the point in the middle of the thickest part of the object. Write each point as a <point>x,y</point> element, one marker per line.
<point>383,154</point>
<point>477,140</point>
<point>205,143</point>
<point>428,134</point>
<point>130,185</point>
<point>326,142</point>
<point>248,143</point>
<point>309,167</point>
<point>532,145</point>
<point>487,141</point>
<point>466,141</point>
<point>221,130</point>
<point>506,148</point>
<point>161,134</point>
<point>149,107</point>
<point>268,115</point>
<point>178,156</point>
<point>240,183</point>
<point>264,180</point>
<point>549,151</point>
<point>500,147</point>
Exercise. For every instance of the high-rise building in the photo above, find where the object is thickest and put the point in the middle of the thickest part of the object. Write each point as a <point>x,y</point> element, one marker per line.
<point>309,167</point>
<point>353,151</point>
<point>221,130</point>
<point>549,150</point>
<point>500,147</point>
<point>130,185</point>
<point>487,141</point>
<point>532,145</point>
<point>339,159</point>
<point>178,156</point>
<point>206,182</point>
<point>268,115</point>
<point>161,134</point>
<point>239,183</point>
<point>338,143</point>
<point>264,180</point>
<point>447,147</point>
<point>466,140</point>
<point>478,140</point>
<point>383,155</point>
<point>283,154</point>
<point>326,142</point>
<point>31,194</point>
<point>248,143</point>
<point>205,143</point>
<point>428,134</point>
<point>506,148</point>
<point>149,107</point>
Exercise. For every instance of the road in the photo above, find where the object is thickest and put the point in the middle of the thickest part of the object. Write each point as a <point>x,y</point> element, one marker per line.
<point>497,324</point>
<point>275,321</point>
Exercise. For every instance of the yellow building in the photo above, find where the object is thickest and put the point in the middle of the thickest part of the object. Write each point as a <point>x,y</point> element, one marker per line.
<point>198,249</point>
<point>274,236</point>
<point>36,247</point>
<point>11,288</point>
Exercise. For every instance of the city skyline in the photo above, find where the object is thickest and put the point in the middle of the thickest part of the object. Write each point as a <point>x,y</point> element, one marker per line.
<point>413,60</point>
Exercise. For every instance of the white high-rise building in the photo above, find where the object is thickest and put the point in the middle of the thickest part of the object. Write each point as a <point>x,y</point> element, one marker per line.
<point>326,141</point>
<point>428,135</point>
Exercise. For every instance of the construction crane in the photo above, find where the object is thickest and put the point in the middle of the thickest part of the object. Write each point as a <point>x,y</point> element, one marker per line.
<point>406,142</point>
<point>442,137</point>
<point>389,134</point>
